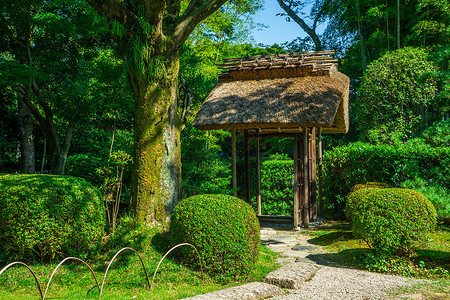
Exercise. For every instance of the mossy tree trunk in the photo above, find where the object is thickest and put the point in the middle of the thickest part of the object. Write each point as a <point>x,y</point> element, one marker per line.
<point>150,34</point>
<point>156,183</point>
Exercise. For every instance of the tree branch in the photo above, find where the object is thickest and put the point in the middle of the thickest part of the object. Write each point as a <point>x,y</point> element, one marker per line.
<point>197,11</point>
<point>310,31</point>
<point>321,12</point>
<point>68,136</point>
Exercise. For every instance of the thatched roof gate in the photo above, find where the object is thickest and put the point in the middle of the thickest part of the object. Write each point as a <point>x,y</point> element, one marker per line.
<point>297,95</point>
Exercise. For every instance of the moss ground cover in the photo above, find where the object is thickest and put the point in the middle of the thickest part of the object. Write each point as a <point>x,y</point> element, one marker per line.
<point>126,278</point>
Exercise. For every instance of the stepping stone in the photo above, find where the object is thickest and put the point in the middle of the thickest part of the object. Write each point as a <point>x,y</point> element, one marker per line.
<point>303,248</point>
<point>305,260</point>
<point>285,239</point>
<point>268,232</point>
<point>249,291</point>
<point>292,275</point>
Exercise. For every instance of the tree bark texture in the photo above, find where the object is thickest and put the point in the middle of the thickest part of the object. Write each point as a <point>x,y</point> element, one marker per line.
<point>28,152</point>
<point>156,178</point>
<point>156,175</point>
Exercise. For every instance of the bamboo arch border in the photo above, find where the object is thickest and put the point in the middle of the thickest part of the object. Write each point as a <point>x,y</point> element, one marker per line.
<point>100,288</point>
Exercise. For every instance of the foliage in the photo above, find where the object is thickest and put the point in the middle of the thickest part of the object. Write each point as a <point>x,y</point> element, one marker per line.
<point>9,135</point>
<point>126,278</point>
<point>277,186</point>
<point>438,195</point>
<point>204,171</point>
<point>225,231</point>
<point>346,166</point>
<point>42,216</point>
<point>45,42</point>
<point>391,221</point>
<point>112,186</point>
<point>392,94</point>
<point>438,134</point>
<point>369,185</point>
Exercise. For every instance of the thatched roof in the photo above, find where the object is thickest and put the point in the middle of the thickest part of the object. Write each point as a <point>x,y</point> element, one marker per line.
<point>278,100</point>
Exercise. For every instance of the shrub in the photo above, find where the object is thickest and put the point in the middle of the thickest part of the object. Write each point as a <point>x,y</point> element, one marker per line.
<point>395,83</point>
<point>44,215</point>
<point>204,170</point>
<point>391,220</point>
<point>438,135</point>
<point>277,194</point>
<point>346,166</point>
<point>368,185</point>
<point>225,231</point>
<point>438,195</point>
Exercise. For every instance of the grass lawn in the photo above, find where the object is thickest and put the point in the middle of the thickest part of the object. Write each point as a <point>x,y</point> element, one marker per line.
<point>126,278</point>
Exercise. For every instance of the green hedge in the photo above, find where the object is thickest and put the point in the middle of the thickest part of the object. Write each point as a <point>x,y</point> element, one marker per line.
<point>225,231</point>
<point>346,166</point>
<point>277,195</point>
<point>44,215</point>
<point>392,220</point>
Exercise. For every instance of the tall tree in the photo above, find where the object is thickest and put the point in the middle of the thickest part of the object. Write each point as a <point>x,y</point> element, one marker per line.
<point>150,35</point>
<point>45,55</point>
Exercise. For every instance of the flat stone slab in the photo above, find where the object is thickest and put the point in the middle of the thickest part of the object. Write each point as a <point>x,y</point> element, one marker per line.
<point>249,291</point>
<point>282,239</point>
<point>292,275</point>
<point>303,248</point>
<point>268,232</point>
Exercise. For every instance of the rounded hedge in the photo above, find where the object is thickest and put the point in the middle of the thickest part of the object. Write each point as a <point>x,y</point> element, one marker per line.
<point>45,215</point>
<point>223,228</point>
<point>392,220</point>
<point>367,185</point>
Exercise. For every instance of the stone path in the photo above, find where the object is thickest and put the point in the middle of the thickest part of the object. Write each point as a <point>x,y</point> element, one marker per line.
<point>307,274</point>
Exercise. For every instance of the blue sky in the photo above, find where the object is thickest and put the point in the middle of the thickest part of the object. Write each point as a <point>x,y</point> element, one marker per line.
<point>279,30</point>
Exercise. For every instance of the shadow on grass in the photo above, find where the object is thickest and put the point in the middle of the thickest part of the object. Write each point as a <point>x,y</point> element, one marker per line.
<point>434,258</point>
<point>344,259</point>
<point>332,237</point>
<point>336,225</point>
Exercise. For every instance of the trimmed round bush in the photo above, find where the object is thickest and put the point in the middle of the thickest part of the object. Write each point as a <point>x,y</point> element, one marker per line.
<point>367,185</point>
<point>392,220</point>
<point>223,228</point>
<point>45,215</point>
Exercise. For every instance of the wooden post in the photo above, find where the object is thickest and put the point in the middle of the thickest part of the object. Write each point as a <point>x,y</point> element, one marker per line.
<point>297,169</point>
<point>233,155</point>
<point>305,179</point>
<point>258,179</point>
<point>320,173</point>
<point>247,166</point>
<point>312,176</point>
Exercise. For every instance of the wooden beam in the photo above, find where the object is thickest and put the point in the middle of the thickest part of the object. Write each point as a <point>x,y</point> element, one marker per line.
<point>305,179</point>
<point>297,169</point>
<point>247,166</point>
<point>258,179</point>
<point>312,176</point>
<point>320,168</point>
<point>234,166</point>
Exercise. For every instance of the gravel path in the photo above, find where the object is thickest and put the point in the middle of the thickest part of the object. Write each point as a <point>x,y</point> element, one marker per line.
<point>328,281</point>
